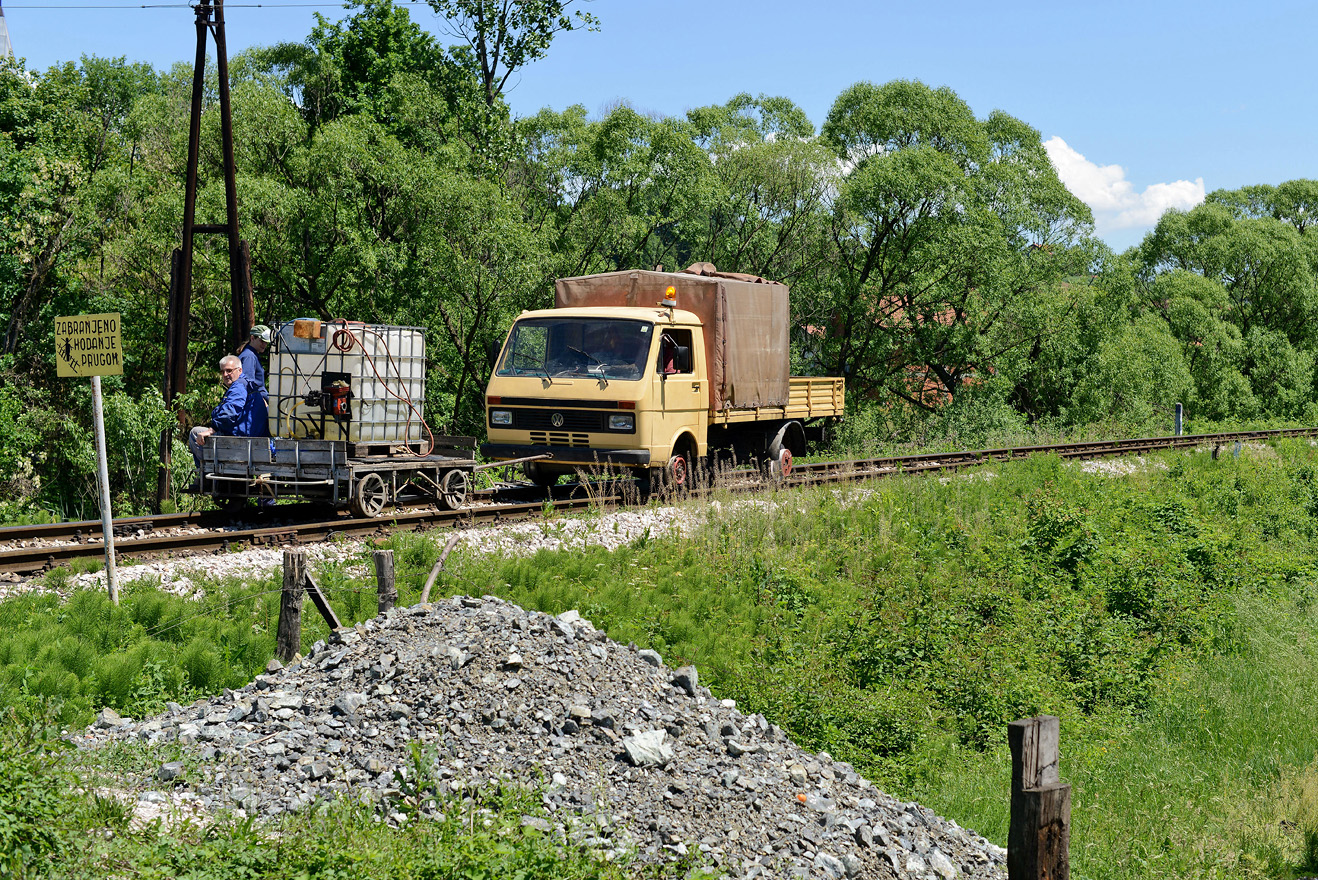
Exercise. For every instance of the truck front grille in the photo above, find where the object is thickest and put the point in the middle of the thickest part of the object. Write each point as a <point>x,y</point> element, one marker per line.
<point>571,420</point>
<point>544,438</point>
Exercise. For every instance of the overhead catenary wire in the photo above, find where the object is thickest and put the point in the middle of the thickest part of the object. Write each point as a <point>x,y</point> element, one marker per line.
<point>338,5</point>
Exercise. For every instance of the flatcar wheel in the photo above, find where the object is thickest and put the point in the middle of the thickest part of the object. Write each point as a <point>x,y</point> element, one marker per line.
<point>371,496</point>
<point>453,490</point>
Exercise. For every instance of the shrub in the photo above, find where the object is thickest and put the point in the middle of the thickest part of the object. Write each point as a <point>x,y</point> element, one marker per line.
<point>33,783</point>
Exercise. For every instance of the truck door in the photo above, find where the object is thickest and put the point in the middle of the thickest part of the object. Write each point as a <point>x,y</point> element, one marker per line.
<point>681,390</point>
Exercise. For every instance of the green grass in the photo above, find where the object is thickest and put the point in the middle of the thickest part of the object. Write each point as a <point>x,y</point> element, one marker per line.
<point>154,647</point>
<point>903,627</point>
<point>1215,778</point>
<point>1169,617</point>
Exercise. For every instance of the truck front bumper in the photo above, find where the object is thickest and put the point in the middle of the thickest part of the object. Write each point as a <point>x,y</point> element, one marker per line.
<point>570,456</point>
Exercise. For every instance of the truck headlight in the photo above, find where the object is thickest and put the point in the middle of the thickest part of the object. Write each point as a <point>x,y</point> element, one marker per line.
<point>622,422</point>
<point>501,417</point>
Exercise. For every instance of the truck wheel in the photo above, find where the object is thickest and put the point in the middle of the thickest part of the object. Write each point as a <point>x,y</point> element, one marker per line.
<point>537,475</point>
<point>678,473</point>
<point>672,479</point>
<point>781,467</point>
<point>371,496</point>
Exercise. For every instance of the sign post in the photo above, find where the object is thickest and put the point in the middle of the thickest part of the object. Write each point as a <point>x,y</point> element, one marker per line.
<point>92,345</point>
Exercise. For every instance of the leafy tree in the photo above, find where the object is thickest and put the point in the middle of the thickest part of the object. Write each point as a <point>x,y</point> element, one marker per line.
<point>1280,373</point>
<point>506,35</point>
<point>769,187</point>
<point>372,63</point>
<point>1294,202</point>
<point>1061,335</point>
<point>1138,374</point>
<point>1252,310</point>
<point>72,130</point>
<point>1263,264</point>
<point>1195,310</point>
<point>614,193</point>
<point>942,224</point>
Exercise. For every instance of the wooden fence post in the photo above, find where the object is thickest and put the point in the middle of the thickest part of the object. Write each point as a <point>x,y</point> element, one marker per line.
<point>288,638</point>
<point>1039,837</point>
<point>384,579</point>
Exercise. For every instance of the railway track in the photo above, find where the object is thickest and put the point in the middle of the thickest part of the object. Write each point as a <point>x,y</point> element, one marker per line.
<point>26,550</point>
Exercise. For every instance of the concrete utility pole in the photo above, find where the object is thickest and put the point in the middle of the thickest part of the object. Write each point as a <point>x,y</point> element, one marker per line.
<point>6,46</point>
<point>210,18</point>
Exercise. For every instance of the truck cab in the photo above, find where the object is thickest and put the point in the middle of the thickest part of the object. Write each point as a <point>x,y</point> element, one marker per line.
<point>596,389</point>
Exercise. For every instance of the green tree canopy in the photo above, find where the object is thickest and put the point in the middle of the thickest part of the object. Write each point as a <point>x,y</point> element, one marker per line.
<point>944,225</point>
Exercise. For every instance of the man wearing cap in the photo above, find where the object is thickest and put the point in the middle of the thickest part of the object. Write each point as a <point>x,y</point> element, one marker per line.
<point>256,345</point>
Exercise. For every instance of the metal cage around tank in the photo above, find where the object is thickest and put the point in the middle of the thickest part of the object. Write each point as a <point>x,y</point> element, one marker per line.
<point>379,371</point>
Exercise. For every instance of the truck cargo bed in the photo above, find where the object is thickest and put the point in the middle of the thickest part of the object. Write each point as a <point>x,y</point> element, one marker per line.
<point>808,398</point>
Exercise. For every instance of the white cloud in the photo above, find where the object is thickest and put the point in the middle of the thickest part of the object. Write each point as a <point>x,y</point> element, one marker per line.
<point>1105,189</point>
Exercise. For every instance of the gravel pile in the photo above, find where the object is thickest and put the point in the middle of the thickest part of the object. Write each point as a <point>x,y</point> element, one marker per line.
<point>629,754</point>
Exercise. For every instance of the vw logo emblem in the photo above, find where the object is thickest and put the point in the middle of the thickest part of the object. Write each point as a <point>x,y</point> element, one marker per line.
<point>556,420</point>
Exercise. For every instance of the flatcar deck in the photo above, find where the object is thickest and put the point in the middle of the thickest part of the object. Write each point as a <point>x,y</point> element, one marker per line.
<point>329,470</point>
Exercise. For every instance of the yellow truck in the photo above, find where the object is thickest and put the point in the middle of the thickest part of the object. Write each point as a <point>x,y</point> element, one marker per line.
<point>656,374</point>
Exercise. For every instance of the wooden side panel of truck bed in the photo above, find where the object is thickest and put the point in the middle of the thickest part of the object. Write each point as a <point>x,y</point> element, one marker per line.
<point>808,398</point>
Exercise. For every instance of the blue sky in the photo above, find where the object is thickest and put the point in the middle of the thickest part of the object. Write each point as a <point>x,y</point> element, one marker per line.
<point>1144,105</point>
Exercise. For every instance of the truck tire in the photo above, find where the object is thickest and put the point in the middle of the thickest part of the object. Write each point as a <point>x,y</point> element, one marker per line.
<point>672,479</point>
<point>538,475</point>
<point>677,473</point>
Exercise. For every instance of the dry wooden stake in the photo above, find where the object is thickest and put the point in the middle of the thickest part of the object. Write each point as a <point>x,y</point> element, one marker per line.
<point>288,638</point>
<point>318,599</point>
<point>1039,836</point>
<point>439,566</point>
<point>384,580</point>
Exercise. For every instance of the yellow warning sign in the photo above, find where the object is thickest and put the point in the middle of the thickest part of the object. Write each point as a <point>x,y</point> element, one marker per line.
<point>89,345</point>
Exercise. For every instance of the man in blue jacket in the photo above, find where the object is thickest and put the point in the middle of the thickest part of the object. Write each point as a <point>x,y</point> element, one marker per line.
<point>240,413</point>
<point>256,345</point>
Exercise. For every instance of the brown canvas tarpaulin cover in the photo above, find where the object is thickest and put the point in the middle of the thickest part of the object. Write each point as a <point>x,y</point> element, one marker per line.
<point>745,322</point>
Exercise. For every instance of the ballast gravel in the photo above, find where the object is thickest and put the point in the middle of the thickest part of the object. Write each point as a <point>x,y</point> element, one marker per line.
<point>629,755</point>
<point>185,576</point>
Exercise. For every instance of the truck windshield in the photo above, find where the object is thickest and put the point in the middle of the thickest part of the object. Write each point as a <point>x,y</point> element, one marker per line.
<point>602,348</point>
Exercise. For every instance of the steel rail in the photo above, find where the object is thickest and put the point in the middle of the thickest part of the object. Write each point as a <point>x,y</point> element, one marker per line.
<point>1082,449</point>
<point>28,560</point>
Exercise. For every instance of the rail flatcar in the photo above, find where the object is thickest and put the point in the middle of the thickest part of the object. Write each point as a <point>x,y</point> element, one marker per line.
<point>346,425</point>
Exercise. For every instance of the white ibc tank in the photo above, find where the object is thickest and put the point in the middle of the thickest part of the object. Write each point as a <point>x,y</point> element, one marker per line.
<point>345,380</point>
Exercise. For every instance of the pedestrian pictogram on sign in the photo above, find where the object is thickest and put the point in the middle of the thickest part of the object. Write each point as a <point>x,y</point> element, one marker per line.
<point>89,345</point>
